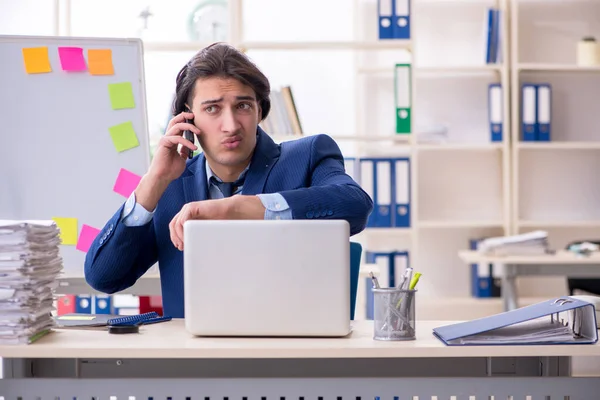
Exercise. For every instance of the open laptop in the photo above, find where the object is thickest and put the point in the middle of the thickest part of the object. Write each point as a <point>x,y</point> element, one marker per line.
<point>267,278</point>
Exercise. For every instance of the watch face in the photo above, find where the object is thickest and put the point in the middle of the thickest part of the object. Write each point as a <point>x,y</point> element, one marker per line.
<point>209,22</point>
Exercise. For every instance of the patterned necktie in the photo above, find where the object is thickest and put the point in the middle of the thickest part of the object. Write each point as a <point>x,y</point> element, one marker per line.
<point>228,188</point>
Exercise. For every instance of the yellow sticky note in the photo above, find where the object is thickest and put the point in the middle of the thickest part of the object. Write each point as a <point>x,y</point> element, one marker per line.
<point>68,230</point>
<point>121,95</point>
<point>77,317</point>
<point>123,136</point>
<point>100,62</point>
<point>36,60</point>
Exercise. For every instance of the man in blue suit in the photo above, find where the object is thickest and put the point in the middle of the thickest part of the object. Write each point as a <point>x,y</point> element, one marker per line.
<point>242,174</point>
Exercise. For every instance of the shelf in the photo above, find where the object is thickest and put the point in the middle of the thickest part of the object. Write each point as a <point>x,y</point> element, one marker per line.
<point>353,138</point>
<point>174,46</point>
<point>460,146</point>
<point>558,224</point>
<point>196,46</point>
<point>386,231</point>
<point>558,145</point>
<point>446,70</point>
<point>460,224</point>
<point>556,68</point>
<point>372,45</point>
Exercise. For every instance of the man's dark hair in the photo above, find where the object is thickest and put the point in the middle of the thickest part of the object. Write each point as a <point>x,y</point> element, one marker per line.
<point>221,60</point>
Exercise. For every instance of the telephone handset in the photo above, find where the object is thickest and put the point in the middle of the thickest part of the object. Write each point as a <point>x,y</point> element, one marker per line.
<point>189,135</point>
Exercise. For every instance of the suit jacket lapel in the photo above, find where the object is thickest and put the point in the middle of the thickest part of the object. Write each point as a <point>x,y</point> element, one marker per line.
<point>195,187</point>
<point>265,156</point>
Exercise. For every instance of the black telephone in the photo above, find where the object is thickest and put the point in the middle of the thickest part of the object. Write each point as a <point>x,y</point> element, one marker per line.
<point>189,135</point>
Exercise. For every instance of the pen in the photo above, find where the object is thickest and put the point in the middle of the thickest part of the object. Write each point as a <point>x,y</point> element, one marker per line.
<point>374,279</point>
<point>414,280</point>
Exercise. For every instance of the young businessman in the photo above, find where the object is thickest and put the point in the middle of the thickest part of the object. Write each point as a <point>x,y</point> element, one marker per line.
<point>242,174</point>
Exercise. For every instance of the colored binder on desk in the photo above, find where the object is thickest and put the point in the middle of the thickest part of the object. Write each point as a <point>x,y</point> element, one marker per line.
<point>529,106</point>
<point>403,98</point>
<point>565,320</point>
<point>401,19</point>
<point>544,111</point>
<point>495,114</point>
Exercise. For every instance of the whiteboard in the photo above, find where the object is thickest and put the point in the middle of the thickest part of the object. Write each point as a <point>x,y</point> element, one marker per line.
<point>57,157</point>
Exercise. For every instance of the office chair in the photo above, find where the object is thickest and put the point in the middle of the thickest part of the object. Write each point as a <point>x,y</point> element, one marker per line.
<point>355,254</point>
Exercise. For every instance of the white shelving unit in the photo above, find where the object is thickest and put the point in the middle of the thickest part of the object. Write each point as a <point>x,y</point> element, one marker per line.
<point>465,187</point>
<point>555,187</point>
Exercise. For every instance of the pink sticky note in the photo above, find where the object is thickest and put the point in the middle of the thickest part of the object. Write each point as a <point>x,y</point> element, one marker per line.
<point>126,182</point>
<point>86,237</point>
<point>71,58</point>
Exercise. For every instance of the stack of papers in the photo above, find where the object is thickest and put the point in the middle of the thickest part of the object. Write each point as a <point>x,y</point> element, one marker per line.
<point>29,266</point>
<point>532,243</point>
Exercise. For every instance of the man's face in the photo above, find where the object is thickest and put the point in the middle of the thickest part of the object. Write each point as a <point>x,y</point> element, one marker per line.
<point>227,114</point>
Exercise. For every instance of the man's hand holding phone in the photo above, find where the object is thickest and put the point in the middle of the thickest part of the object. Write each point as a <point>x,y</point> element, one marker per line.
<point>168,162</point>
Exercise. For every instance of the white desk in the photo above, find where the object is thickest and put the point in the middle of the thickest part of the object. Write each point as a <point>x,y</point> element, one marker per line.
<point>562,263</point>
<point>165,361</point>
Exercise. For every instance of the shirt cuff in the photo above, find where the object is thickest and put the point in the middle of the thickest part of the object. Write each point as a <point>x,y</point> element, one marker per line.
<point>135,214</point>
<point>275,206</point>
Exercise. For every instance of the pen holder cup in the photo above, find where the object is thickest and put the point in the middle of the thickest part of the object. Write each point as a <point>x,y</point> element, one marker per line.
<point>394,314</point>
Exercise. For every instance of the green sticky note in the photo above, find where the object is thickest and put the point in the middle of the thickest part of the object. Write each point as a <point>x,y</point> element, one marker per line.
<point>123,136</point>
<point>121,95</point>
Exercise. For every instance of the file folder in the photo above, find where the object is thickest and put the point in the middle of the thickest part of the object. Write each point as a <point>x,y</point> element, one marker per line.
<point>391,267</point>
<point>544,111</point>
<point>351,167</point>
<point>485,278</point>
<point>490,27</point>
<point>387,182</point>
<point>403,98</point>
<point>386,13</point>
<point>565,320</point>
<point>495,111</point>
<point>402,185</point>
<point>102,304</point>
<point>529,112</point>
<point>83,304</point>
<point>376,181</point>
<point>401,20</point>
<point>367,182</point>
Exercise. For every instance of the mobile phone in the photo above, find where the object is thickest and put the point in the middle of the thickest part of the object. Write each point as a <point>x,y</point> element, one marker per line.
<point>189,135</point>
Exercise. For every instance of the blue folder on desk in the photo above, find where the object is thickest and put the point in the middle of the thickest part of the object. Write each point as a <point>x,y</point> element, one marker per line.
<point>557,321</point>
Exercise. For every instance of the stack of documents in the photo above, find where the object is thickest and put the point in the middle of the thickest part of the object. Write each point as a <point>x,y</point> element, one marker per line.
<point>29,266</point>
<point>532,243</point>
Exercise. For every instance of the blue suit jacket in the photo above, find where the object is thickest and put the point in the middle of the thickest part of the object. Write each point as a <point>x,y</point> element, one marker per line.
<point>308,173</point>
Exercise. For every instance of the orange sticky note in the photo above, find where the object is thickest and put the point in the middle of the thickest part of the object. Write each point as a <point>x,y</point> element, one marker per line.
<point>36,60</point>
<point>100,62</point>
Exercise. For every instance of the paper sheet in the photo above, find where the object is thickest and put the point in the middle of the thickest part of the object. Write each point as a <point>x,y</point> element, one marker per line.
<point>126,182</point>
<point>123,136</point>
<point>68,230</point>
<point>100,62</point>
<point>121,95</point>
<point>36,60</point>
<point>86,237</point>
<point>71,59</point>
